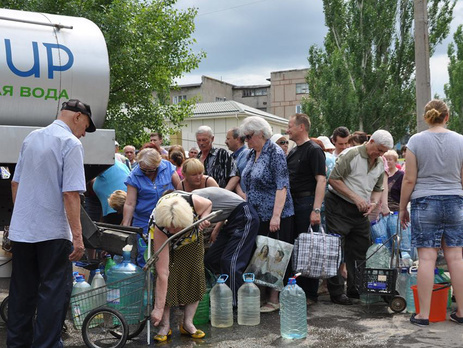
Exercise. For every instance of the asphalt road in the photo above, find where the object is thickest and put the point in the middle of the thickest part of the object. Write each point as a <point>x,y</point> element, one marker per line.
<point>329,326</point>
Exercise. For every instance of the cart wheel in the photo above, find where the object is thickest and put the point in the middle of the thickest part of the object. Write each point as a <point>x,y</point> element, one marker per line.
<point>134,329</point>
<point>98,326</point>
<point>4,309</point>
<point>398,304</point>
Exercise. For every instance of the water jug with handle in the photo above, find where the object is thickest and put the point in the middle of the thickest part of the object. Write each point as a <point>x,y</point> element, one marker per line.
<point>248,301</point>
<point>221,303</point>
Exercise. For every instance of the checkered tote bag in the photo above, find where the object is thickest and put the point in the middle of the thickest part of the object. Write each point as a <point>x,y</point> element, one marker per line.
<point>317,254</point>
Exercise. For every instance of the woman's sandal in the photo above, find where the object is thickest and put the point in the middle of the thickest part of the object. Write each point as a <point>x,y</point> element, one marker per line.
<point>269,307</point>
<point>162,338</point>
<point>196,334</point>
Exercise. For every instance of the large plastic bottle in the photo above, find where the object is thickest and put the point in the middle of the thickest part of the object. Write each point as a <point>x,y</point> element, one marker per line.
<point>378,230</point>
<point>80,304</point>
<point>378,255</point>
<point>99,287</point>
<point>221,303</point>
<point>125,283</point>
<point>293,311</point>
<point>110,263</point>
<point>403,282</point>
<point>409,296</point>
<point>248,301</point>
<point>392,228</point>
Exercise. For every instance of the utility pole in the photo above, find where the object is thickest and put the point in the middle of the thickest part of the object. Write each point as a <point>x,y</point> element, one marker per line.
<point>423,75</point>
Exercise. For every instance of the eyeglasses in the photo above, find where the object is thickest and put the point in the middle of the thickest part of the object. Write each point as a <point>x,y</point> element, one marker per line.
<point>249,136</point>
<point>283,142</point>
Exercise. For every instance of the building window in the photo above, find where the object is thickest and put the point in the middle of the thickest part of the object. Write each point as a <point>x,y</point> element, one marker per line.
<point>298,109</point>
<point>261,91</point>
<point>219,99</point>
<point>302,88</point>
<point>178,98</point>
<point>254,92</point>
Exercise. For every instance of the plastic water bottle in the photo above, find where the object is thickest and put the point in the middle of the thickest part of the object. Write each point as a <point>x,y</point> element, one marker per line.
<point>221,303</point>
<point>74,277</point>
<point>118,259</point>
<point>80,304</point>
<point>293,311</point>
<point>377,255</point>
<point>202,312</point>
<point>392,227</point>
<point>108,265</point>
<point>125,283</point>
<point>99,287</point>
<point>403,282</point>
<point>378,231</point>
<point>409,295</point>
<point>248,301</point>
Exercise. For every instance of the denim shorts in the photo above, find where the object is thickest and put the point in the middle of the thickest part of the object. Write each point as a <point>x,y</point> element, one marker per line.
<point>434,218</point>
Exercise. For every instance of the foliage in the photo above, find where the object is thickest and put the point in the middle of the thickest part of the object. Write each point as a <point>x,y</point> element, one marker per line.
<point>363,78</point>
<point>149,45</point>
<point>454,89</point>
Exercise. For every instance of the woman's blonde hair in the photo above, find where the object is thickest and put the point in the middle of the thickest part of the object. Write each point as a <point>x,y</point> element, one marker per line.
<point>435,112</point>
<point>192,166</point>
<point>392,153</point>
<point>117,200</point>
<point>173,210</point>
<point>149,157</point>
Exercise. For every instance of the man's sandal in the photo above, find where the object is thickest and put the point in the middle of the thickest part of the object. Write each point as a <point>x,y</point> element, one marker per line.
<point>269,307</point>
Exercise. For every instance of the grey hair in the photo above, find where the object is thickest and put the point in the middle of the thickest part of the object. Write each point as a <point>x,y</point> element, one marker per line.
<point>383,137</point>
<point>205,130</point>
<point>256,124</point>
<point>236,134</point>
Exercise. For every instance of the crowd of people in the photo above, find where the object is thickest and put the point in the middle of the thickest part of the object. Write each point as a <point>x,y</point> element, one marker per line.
<point>277,186</point>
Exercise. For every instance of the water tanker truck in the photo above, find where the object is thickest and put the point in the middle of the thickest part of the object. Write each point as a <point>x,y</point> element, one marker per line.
<point>45,60</point>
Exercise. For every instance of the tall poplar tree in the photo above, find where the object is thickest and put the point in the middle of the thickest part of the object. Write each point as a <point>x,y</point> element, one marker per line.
<point>454,89</point>
<point>364,77</point>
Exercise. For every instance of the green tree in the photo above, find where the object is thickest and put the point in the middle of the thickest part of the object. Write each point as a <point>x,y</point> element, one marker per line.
<point>363,78</point>
<point>454,89</point>
<point>149,45</point>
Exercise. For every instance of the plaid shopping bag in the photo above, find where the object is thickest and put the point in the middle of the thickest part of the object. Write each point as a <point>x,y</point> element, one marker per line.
<point>317,254</point>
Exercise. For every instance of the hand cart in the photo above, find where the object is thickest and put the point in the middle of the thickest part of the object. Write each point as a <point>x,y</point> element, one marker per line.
<point>382,281</point>
<point>110,315</point>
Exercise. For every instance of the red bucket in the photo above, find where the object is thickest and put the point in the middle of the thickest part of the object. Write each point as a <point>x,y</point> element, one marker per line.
<point>439,299</point>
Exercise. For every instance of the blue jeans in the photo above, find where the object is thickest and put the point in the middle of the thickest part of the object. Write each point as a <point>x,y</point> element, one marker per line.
<point>302,209</point>
<point>437,217</point>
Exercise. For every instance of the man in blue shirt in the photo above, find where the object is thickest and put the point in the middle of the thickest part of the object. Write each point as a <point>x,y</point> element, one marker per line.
<point>45,227</point>
<point>235,143</point>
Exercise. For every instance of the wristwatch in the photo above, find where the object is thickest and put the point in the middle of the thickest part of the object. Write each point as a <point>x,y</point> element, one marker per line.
<point>316,210</point>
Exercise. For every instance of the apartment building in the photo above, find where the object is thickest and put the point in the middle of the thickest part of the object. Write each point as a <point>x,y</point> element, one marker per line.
<point>281,97</point>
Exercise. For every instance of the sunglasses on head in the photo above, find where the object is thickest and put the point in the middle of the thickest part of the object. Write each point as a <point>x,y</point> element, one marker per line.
<point>283,142</point>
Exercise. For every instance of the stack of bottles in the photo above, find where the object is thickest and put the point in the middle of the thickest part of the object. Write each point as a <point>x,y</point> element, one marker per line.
<point>378,229</point>
<point>248,301</point>
<point>293,311</point>
<point>221,304</point>
<point>125,283</point>
<point>377,257</point>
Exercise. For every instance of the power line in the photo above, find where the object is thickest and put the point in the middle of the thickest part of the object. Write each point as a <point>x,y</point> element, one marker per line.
<point>230,8</point>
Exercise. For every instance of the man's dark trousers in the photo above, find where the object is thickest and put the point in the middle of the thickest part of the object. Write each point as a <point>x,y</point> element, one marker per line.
<point>41,280</point>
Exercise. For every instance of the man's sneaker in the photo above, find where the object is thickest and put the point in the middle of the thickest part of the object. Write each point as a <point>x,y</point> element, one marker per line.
<point>418,322</point>
<point>455,318</point>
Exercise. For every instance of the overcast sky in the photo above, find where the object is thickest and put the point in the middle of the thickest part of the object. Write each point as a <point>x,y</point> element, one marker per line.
<point>245,40</point>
